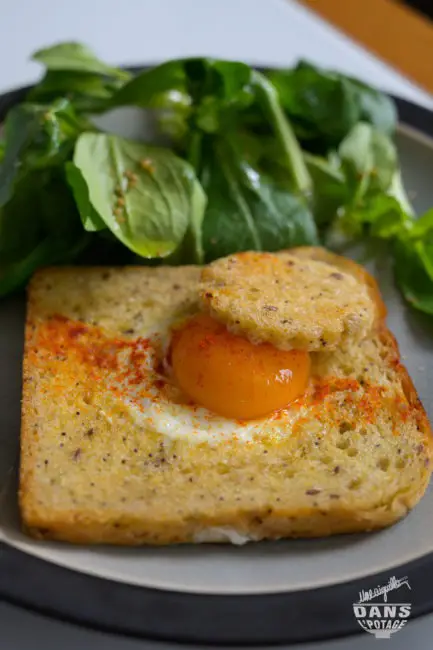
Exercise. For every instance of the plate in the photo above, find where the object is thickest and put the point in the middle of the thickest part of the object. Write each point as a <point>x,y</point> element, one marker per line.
<point>258,594</point>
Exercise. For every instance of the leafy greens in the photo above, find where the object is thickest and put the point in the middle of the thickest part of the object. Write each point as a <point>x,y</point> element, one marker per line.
<point>146,196</point>
<point>73,71</point>
<point>247,208</point>
<point>260,161</point>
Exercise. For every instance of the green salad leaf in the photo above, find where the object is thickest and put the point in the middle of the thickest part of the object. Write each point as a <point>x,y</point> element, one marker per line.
<point>412,276</point>
<point>148,86</point>
<point>326,105</point>
<point>37,136</point>
<point>73,71</point>
<point>90,218</point>
<point>419,235</point>
<point>247,210</point>
<point>422,226</point>
<point>39,222</point>
<point>385,216</point>
<point>330,191</point>
<point>368,160</point>
<point>145,195</point>
<point>39,226</point>
<point>88,92</point>
<point>216,88</point>
<point>76,57</point>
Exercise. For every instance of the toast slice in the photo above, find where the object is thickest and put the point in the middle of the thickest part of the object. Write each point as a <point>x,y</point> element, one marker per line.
<point>355,455</point>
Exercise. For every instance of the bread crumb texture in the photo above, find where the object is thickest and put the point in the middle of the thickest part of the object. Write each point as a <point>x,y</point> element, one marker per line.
<point>286,300</point>
<point>353,455</point>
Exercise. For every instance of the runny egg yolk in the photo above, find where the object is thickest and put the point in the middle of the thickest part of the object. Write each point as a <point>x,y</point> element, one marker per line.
<point>231,376</point>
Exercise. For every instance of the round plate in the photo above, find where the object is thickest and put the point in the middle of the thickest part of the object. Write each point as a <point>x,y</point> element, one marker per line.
<point>265,593</point>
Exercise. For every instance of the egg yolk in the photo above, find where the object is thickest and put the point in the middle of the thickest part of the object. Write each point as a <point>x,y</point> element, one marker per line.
<point>231,376</point>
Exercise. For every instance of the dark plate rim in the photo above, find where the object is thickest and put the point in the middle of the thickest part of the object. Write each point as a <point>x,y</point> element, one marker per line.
<point>268,619</point>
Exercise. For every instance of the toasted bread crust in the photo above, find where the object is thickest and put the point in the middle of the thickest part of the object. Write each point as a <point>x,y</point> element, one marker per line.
<point>314,512</point>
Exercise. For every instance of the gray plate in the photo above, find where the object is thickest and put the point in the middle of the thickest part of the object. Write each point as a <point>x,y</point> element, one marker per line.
<point>264,568</point>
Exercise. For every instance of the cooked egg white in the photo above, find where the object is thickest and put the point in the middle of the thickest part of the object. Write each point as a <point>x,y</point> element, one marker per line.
<point>217,535</point>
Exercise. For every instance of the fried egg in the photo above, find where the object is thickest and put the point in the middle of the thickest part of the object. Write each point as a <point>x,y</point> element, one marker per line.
<point>197,380</point>
<point>189,378</point>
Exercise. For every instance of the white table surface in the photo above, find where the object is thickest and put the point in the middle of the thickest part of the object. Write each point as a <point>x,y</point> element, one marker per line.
<point>274,32</point>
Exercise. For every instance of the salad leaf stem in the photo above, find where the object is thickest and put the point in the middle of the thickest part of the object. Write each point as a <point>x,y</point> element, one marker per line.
<point>268,98</point>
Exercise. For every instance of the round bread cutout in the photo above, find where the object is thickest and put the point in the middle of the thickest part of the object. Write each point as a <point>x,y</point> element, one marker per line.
<point>287,300</point>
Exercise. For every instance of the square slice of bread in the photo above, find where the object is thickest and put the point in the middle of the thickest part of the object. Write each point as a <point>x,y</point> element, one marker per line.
<point>356,456</point>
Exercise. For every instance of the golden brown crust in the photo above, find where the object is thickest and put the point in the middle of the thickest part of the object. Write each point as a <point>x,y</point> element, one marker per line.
<point>27,465</point>
<point>266,509</point>
<point>285,523</point>
<point>393,361</point>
